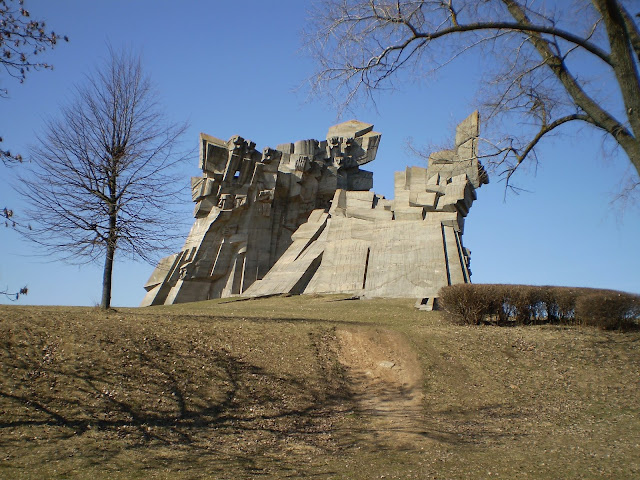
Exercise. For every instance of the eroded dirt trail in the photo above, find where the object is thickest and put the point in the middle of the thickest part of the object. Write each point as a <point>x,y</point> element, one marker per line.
<point>385,375</point>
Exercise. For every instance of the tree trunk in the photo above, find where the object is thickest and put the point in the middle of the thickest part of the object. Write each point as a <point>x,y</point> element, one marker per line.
<point>107,276</point>
<point>108,261</point>
<point>624,67</point>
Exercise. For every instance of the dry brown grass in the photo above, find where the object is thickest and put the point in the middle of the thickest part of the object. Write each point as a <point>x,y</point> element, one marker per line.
<point>256,389</point>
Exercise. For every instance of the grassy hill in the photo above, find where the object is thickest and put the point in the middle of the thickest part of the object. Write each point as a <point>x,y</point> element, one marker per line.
<point>311,387</point>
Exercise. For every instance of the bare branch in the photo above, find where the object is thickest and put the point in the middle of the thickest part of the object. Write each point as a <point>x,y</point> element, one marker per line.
<point>21,40</point>
<point>521,155</point>
<point>363,45</point>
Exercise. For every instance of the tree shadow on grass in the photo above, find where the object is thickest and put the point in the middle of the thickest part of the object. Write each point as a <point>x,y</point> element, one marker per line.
<point>190,404</point>
<point>110,401</point>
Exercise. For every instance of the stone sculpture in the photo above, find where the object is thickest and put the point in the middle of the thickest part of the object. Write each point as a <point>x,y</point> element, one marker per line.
<point>369,246</point>
<point>301,219</point>
<point>248,204</point>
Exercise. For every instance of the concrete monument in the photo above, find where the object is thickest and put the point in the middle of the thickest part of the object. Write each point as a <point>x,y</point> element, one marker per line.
<point>249,204</point>
<point>301,219</point>
<point>369,246</point>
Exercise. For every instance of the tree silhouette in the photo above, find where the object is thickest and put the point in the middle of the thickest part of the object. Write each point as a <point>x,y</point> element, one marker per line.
<point>102,176</point>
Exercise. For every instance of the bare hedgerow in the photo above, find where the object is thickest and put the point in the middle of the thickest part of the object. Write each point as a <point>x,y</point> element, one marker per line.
<point>475,304</point>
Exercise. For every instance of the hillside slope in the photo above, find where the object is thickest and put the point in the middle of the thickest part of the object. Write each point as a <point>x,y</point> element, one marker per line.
<point>302,387</point>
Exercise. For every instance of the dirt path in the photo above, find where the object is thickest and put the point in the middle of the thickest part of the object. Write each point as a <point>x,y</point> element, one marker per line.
<point>385,375</point>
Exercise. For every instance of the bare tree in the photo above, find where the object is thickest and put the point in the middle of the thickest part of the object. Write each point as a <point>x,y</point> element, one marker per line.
<point>103,176</point>
<point>21,39</point>
<point>557,62</point>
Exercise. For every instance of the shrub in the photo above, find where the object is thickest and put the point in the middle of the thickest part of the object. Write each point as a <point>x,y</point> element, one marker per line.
<point>565,302</point>
<point>465,303</point>
<point>495,300</point>
<point>609,310</point>
<point>524,301</point>
<point>474,304</point>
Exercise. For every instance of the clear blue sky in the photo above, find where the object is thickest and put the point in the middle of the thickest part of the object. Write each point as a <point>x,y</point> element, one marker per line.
<point>234,67</point>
